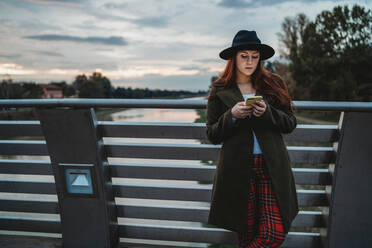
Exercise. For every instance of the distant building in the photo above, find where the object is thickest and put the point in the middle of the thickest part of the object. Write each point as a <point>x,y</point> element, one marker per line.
<point>51,91</point>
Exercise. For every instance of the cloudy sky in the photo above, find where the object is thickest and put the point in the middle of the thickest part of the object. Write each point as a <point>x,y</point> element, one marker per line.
<point>163,44</point>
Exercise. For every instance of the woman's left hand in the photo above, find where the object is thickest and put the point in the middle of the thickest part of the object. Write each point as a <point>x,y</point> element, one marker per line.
<point>259,108</point>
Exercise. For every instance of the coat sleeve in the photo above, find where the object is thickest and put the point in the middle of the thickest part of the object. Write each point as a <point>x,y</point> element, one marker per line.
<point>281,120</point>
<point>219,124</point>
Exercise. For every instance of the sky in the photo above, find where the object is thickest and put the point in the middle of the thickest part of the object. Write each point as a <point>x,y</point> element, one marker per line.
<point>158,44</point>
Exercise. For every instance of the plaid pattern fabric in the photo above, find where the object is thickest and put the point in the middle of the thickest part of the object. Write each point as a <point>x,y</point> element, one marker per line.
<point>262,208</point>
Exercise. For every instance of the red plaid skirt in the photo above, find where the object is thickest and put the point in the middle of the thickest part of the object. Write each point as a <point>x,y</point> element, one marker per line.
<point>262,208</point>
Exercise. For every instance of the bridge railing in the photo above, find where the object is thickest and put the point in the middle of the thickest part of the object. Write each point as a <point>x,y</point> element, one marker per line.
<point>91,205</point>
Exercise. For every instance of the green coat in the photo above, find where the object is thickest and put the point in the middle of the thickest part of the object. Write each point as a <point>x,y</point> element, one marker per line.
<point>229,199</point>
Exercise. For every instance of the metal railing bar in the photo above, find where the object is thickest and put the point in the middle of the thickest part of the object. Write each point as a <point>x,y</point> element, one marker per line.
<point>175,104</point>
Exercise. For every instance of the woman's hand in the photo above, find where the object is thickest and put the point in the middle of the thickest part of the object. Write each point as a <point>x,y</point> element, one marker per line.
<point>240,110</point>
<point>259,108</point>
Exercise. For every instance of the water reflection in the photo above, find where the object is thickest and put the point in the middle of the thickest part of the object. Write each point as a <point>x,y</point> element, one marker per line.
<point>157,115</point>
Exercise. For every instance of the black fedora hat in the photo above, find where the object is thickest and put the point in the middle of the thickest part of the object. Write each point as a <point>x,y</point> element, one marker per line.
<point>247,40</point>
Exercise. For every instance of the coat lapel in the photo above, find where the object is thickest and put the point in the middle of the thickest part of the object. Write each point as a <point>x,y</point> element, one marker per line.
<point>230,96</point>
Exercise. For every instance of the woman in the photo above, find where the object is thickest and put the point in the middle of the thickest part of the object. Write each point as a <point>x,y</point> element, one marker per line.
<point>253,191</point>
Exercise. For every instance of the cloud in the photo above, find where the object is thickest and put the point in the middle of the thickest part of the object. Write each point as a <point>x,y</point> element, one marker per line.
<point>235,3</point>
<point>200,69</point>
<point>149,21</point>
<point>124,12</point>
<point>190,68</point>
<point>59,1</point>
<point>48,53</point>
<point>208,60</point>
<point>10,56</point>
<point>112,40</point>
<point>156,21</point>
<point>141,71</point>
<point>115,5</point>
<point>15,69</point>
<point>251,3</point>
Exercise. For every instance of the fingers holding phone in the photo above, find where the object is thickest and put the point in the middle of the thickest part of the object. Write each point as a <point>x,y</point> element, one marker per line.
<point>259,107</point>
<point>240,110</point>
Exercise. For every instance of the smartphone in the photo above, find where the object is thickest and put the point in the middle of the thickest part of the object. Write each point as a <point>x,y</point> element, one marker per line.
<point>252,99</point>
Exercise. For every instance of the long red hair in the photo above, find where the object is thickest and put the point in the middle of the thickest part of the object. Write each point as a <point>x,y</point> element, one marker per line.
<point>264,81</point>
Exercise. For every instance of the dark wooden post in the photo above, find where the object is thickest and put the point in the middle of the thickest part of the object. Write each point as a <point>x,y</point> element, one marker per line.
<point>350,223</point>
<point>83,183</point>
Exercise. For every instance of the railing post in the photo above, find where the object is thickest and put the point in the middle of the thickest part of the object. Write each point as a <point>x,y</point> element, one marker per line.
<point>83,182</point>
<point>350,223</point>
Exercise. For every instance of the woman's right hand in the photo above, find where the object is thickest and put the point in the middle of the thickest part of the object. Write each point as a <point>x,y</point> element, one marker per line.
<point>240,110</point>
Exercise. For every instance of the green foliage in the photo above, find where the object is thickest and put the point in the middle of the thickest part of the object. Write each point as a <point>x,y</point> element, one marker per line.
<point>91,89</point>
<point>104,82</point>
<point>19,90</point>
<point>330,58</point>
<point>99,86</point>
<point>122,92</point>
<point>79,80</point>
<point>96,86</point>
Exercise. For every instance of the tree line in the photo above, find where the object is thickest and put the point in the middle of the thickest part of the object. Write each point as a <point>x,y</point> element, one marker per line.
<point>329,58</point>
<point>93,86</point>
<point>99,86</point>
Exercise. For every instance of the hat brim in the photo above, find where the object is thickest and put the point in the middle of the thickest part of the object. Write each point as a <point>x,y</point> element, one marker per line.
<point>266,51</point>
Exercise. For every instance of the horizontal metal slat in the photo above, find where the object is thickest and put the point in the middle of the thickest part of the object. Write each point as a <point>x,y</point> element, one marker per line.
<point>308,176</point>
<point>312,176</point>
<point>207,235</point>
<point>29,205</point>
<point>15,241</point>
<point>20,128</point>
<point>30,167</point>
<point>200,193</point>
<point>162,130</point>
<point>311,155</point>
<point>302,133</point>
<point>161,151</point>
<point>147,191</point>
<point>313,133</point>
<point>207,152</point>
<point>163,171</point>
<point>167,151</point>
<point>149,243</point>
<point>200,214</point>
<point>27,186</point>
<point>30,224</point>
<point>172,104</point>
<point>143,211</point>
<point>23,147</point>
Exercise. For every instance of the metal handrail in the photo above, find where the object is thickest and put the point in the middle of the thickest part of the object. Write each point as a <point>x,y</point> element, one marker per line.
<point>172,104</point>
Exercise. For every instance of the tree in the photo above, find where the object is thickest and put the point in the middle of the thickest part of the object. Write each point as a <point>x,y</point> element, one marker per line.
<point>282,69</point>
<point>105,82</point>
<point>91,89</point>
<point>332,57</point>
<point>19,90</point>
<point>79,80</point>
<point>293,36</point>
<point>31,90</point>
<point>96,86</point>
